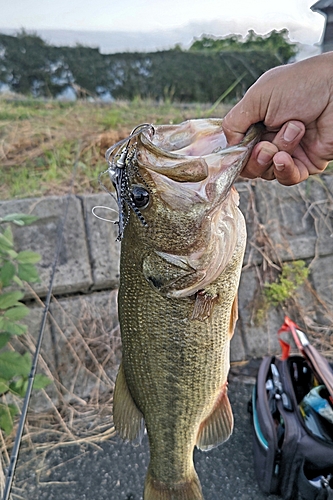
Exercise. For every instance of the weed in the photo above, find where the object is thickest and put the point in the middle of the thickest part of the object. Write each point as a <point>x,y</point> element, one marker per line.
<point>15,268</point>
<point>293,274</point>
<point>39,139</point>
<point>5,115</point>
<point>112,118</point>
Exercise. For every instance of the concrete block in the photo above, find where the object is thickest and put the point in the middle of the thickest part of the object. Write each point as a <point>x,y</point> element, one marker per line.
<point>73,270</point>
<point>88,326</point>
<point>297,219</point>
<point>258,340</point>
<point>283,213</point>
<point>310,306</point>
<point>237,349</point>
<point>262,339</point>
<point>320,208</point>
<point>322,278</point>
<point>247,205</point>
<point>104,250</point>
<point>46,360</point>
<point>81,348</point>
<point>82,332</point>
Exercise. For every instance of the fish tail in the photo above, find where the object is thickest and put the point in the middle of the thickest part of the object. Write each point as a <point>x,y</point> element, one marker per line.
<point>156,490</point>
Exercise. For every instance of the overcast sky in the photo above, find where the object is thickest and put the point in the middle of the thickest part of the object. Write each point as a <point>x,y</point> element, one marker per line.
<point>162,18</point>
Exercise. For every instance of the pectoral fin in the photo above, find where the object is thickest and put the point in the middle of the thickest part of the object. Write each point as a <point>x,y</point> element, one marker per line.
<point>128,419</point>
<point>217,427</point>
<point>204,305</point>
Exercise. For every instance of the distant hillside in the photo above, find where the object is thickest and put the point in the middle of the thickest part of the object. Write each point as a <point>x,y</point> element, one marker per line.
<point>210,68</point>
<point>110,42</point>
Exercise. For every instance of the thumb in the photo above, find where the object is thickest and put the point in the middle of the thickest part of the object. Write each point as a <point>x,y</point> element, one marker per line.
<point>252,108</point>
<point>238,120</point>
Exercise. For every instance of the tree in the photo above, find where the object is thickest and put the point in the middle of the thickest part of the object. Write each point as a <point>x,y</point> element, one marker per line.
<point>28,64</point>
<point>212,43</point>
<point>276,42</point>
<point>84,66</point>
<point>203,73</point>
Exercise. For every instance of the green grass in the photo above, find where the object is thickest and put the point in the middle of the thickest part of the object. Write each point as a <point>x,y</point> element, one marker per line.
<point>40,140</point>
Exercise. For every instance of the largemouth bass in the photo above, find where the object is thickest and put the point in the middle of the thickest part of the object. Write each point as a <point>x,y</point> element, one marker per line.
<point>182,244</point>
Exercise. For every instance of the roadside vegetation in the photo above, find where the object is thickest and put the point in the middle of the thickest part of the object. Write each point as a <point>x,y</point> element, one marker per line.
<point>41,140</point>
<point>16,269</point>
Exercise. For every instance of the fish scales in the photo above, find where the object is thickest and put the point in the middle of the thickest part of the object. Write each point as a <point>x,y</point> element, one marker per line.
<point>176,322</point>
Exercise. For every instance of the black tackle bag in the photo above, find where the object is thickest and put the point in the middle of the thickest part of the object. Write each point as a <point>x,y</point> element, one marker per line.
<point>292,418</point>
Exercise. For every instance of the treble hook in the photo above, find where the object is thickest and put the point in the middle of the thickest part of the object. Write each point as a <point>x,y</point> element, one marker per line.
<point>119,174</point>
<point>135,132</point>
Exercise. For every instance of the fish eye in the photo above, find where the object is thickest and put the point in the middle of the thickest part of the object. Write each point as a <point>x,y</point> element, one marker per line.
<point>140,196</point>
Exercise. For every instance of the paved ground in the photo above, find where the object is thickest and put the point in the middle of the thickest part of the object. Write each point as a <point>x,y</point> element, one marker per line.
<point>117,471</point>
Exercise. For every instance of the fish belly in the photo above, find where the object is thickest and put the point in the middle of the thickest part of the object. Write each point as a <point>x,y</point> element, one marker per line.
<point>175,371</point>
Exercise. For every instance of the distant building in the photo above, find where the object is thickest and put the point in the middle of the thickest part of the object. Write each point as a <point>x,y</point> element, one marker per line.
<point>325,7</point>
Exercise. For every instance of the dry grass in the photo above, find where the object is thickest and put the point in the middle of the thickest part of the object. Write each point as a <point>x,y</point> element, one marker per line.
<point>89,350</point>
<point>39,140</point>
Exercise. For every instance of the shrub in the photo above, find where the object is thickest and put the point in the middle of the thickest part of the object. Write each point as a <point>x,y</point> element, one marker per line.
<point>15,269</point>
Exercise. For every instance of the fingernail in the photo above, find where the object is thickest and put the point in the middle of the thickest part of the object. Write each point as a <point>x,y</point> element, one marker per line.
<point>279,166</point>
<point>291,132</point>
<point>264,157</point>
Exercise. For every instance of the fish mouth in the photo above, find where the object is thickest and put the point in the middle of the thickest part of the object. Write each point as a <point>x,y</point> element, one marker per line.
<point>202,170</point>
<point>186,152</point>
<point>185,160</point>
<point>199,187</point>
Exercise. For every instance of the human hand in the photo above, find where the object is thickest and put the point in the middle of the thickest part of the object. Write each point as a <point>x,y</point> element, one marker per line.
<point>295,103</point>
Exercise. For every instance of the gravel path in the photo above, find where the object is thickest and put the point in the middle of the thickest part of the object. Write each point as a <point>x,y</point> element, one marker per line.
<point>116,470</point>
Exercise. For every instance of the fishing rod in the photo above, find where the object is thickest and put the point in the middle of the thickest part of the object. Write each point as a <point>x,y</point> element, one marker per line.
<point>18,437</point>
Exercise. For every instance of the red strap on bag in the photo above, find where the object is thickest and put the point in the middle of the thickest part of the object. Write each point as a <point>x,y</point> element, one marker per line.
<point>289,326</point>
<point>318,363</point>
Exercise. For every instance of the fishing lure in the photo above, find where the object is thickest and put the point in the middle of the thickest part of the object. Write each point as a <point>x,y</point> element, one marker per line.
<point>123,166</point>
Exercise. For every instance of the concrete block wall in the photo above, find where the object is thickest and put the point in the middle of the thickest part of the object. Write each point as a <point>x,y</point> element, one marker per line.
<point>284,223</point>
<point>74,273</point>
